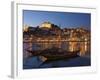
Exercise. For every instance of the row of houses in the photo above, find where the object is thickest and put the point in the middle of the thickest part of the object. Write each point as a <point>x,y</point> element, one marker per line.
<point>49,30</point>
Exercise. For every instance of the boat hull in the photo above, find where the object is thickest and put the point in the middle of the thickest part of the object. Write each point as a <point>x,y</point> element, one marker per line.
<point>54,54</point>
<point>58,57</point>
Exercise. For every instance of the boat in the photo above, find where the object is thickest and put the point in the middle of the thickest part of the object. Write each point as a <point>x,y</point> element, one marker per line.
<point>56,54</point>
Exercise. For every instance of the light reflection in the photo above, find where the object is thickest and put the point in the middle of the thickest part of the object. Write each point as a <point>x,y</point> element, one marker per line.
<point>84,46</point>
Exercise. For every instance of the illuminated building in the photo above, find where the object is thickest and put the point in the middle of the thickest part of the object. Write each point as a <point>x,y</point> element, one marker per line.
<point>25,29</point>
<point>46,25</point>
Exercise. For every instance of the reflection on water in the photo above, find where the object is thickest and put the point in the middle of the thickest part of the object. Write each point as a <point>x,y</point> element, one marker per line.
<point>35,62</point>
<point>84,46</point>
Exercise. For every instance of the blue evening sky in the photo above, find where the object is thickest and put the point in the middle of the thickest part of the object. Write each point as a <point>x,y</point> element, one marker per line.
<point>63,19</point>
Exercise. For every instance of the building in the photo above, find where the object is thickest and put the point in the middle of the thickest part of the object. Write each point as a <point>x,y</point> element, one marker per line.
<point>46,25</point>
<point>25,28</point>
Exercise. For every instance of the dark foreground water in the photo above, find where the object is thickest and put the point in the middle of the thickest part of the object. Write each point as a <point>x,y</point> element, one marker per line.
<point>35,62</point>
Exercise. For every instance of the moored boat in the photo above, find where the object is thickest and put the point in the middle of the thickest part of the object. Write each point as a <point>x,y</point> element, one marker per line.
<point>57,53</point>
<point>54,54</point>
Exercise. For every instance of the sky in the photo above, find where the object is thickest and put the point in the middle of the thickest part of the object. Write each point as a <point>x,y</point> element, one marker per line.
<point>63,19</point>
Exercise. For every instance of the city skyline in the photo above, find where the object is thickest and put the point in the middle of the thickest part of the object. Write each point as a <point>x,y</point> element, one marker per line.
<point>56,39</point>
<point>62,19</point>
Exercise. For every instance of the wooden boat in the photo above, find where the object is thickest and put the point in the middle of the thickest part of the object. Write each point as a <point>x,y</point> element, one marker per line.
<point>54,54</point>
<point>57,53</point>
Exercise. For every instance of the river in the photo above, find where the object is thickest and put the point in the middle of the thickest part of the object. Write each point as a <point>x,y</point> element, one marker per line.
<point>83,58</point>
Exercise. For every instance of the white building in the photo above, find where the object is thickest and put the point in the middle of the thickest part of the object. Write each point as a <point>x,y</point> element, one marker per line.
<point>46,25</point>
